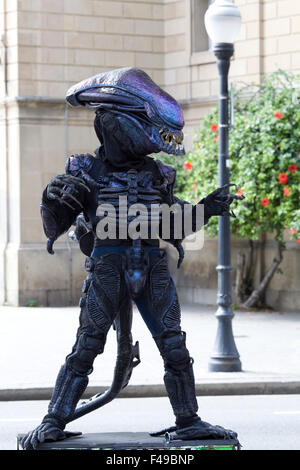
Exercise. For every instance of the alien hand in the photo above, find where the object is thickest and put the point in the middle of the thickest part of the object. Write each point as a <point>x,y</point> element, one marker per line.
<point>65,189</point>
<point>218,202</point>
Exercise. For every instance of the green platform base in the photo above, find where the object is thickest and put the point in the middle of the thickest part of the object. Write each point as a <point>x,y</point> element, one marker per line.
<point>133,441</point>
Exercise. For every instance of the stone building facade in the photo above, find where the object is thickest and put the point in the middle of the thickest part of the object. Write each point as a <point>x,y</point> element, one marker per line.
<point>48,45</point>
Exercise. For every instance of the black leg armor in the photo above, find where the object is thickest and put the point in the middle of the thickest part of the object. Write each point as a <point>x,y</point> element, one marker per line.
<point>68,390</point>
<point>161,311</point>
<point>99,307</point>
<point>179,376</point>
<point>106,295</point>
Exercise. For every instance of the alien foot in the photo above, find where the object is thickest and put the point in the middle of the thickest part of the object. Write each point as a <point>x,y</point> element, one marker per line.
<point>45,432</point>
<point>202,430</point>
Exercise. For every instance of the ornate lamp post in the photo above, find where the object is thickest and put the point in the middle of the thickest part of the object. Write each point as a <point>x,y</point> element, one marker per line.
<point>223,22</point>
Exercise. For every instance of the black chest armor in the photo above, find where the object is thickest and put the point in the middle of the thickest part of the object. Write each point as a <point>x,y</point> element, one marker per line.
<point>134,196</point>
<point>150,186</point>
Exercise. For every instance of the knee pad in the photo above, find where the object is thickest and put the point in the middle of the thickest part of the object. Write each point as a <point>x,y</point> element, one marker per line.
<point>87,348</point>
<point>173,350</point>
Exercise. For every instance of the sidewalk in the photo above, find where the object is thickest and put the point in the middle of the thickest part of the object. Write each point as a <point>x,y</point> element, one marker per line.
<point>35,341</point>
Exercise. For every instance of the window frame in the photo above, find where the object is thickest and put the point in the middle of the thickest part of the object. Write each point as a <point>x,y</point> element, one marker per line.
<point>196,58</point>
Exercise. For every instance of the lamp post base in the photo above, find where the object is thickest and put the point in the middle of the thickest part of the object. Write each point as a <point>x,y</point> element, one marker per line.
<point>225,356</point>
<point>224,364</point>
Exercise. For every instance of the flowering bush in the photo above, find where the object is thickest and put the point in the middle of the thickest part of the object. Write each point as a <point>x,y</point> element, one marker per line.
<point>264,149</point>
<point>264,152</point>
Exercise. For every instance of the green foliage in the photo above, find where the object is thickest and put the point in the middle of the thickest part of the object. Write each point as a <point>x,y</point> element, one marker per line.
<point>263,145</point>
<point>31,303</point>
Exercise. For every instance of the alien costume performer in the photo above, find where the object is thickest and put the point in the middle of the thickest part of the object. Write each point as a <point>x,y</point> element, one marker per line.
<point>134,118</point>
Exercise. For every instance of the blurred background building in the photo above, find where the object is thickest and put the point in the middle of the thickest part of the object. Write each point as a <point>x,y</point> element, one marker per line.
<point>48,45</point>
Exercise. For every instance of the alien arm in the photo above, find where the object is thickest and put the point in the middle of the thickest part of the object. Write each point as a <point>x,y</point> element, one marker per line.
<point>217,203</point>
<point>63,200</point>
<point>192,217</point>
<point>56,218</point>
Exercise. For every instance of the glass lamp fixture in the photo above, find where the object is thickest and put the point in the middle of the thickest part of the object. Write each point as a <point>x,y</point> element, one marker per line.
<point>223,22</point>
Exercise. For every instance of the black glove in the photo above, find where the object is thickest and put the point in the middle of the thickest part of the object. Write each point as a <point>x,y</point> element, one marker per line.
<point>66,190</point>
<point>218,202</point>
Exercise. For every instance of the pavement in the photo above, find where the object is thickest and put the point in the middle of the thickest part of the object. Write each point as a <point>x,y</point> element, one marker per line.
<point>263,422</point>
<point>35,341</point>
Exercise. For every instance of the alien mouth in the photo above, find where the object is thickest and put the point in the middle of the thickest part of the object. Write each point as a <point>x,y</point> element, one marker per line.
<point>172,140</point>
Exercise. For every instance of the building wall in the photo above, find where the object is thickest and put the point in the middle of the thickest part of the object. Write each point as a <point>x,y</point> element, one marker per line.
<point>52,44</point>
<point>64,41</point>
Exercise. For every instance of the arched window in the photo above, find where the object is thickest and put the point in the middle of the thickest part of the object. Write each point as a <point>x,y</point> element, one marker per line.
<point>199,39</point>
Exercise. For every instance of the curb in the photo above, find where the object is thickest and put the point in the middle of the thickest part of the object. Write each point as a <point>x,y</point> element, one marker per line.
<point>158,390</point>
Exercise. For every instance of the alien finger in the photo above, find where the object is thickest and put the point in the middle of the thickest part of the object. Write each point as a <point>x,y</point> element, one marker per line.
<point>77,181</point>
<point>215,192</point>
<point>41,436</point>
<point>226,186</point>
<point>72,434</point>
<point>72,197</point>
<point>34,440</point>
<point>63,180</point>
<point>24,441</point>
<point>88,179</point>
<point>63,201</point>
<point>232,197</point>
<point>53,192</point>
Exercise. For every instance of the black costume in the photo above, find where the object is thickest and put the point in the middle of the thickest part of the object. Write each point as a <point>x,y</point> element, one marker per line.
<point>134,117</point>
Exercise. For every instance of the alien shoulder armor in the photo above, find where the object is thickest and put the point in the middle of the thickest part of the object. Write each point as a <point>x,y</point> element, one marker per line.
<point>79,162</point>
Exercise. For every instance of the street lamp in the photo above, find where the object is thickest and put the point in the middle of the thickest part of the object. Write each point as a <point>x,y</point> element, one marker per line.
<point>223,23</point>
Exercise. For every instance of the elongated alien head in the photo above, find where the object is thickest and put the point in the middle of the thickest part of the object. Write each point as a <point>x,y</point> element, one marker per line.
<point>132,112</point>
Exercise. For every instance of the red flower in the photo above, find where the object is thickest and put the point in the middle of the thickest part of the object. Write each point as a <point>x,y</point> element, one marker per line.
<point>298,241</point>
<point>265,201</point>
<point>194,187</point>
<point>283,179</point>
<point>286,192</point>
<point>293,168</point>
<point>216,138</point>
<point>239,192</point>
<point>278,115</point>
<point>293,231</point>
<point>214,128</point>
<point>198,146</point>
<point>188,166</point>
<point>214,155</point>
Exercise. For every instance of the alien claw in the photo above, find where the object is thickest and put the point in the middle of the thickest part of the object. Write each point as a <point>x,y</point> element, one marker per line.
<point>69,179</point>
<point>50,242</point>
<point>62,201</point>
<point>231,197</point>
<point>52,195</point>
<point>85,186</point>
<point>75,180</point>
<point>72,197</point>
